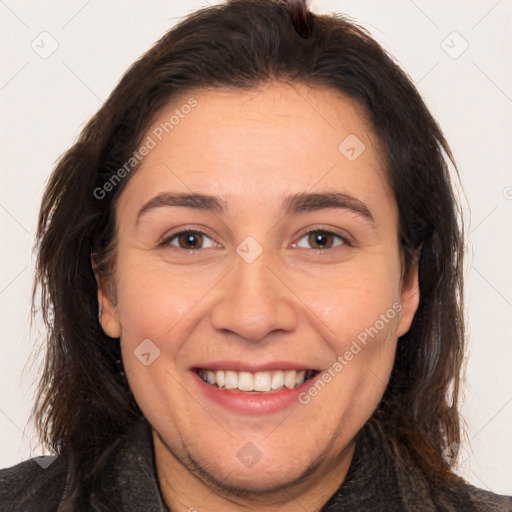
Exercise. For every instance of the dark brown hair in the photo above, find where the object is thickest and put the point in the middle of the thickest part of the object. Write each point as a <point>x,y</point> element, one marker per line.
<point>84,401</point>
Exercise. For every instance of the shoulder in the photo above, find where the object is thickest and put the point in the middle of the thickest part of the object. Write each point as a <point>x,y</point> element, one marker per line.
<point>488,501</point>
<point>32,483</point>
<point>452,493</point>
<point>464,496</point>
<point>121,473</point>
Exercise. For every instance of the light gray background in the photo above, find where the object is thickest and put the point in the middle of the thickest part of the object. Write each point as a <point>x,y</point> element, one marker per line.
<point>46,101</point>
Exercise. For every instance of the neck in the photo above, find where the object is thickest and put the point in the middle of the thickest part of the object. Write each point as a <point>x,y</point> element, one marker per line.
<point>188,487</point>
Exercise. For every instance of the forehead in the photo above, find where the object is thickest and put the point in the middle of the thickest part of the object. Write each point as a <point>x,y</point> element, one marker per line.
<point>261,142</point>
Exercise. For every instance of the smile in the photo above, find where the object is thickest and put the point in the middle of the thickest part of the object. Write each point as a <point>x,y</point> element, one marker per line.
<point>260,382</point>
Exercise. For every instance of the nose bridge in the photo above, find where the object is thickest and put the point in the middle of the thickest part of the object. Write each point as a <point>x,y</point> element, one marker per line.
<point>251,270</point>
<point>254,280</point>
<point>255,302</point>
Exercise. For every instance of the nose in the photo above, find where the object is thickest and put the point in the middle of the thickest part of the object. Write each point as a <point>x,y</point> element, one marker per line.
<point>254,301</point>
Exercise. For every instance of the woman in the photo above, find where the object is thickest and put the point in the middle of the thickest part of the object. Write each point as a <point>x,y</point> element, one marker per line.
<point>251,271</point>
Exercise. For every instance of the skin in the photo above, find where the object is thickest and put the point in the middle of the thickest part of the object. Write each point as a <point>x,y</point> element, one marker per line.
<point>291,303</point>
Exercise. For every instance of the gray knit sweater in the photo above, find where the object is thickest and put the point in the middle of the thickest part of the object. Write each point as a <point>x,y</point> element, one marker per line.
<point>125,481</point>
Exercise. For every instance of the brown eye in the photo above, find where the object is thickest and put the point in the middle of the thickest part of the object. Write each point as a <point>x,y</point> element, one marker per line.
<point>188,240</point>
<point>321,240</point>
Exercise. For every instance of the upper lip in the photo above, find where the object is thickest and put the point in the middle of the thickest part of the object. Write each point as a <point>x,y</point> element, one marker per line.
<point>252,367</point>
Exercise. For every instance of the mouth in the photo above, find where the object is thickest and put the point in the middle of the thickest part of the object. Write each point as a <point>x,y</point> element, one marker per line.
<point>261,382</point>
<point>253,388</point>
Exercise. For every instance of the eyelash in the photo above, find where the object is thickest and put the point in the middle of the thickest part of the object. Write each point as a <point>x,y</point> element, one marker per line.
<point>167,240</point>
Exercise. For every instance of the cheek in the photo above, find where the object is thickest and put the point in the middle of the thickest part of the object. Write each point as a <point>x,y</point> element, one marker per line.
<point>362,311</point>
<point>355,303</point>
<point>154,298</point>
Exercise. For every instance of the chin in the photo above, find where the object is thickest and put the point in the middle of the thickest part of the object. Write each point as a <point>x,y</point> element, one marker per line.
<point>253,472</point>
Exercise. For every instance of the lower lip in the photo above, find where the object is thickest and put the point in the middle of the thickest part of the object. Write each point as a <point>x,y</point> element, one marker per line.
<point>253,403</point>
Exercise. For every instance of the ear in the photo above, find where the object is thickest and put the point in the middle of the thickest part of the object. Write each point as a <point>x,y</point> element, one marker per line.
<point>108,314</point>
<point>410,299</point>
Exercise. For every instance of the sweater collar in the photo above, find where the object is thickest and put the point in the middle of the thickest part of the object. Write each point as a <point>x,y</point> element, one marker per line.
<point>126,477</point>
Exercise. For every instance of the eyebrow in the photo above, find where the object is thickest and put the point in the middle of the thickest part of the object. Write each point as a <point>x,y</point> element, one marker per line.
<point>292,203</point>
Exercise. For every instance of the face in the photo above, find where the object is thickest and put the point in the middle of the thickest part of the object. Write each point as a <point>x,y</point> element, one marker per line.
<point>292,272</point>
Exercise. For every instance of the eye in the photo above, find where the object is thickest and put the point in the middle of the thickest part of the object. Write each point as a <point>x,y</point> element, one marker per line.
<point>322,239</point>
<point>188,240</point>
<point>193,240</point>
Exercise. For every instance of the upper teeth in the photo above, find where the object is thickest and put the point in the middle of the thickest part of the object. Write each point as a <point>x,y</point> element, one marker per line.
<point>258,381</point>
